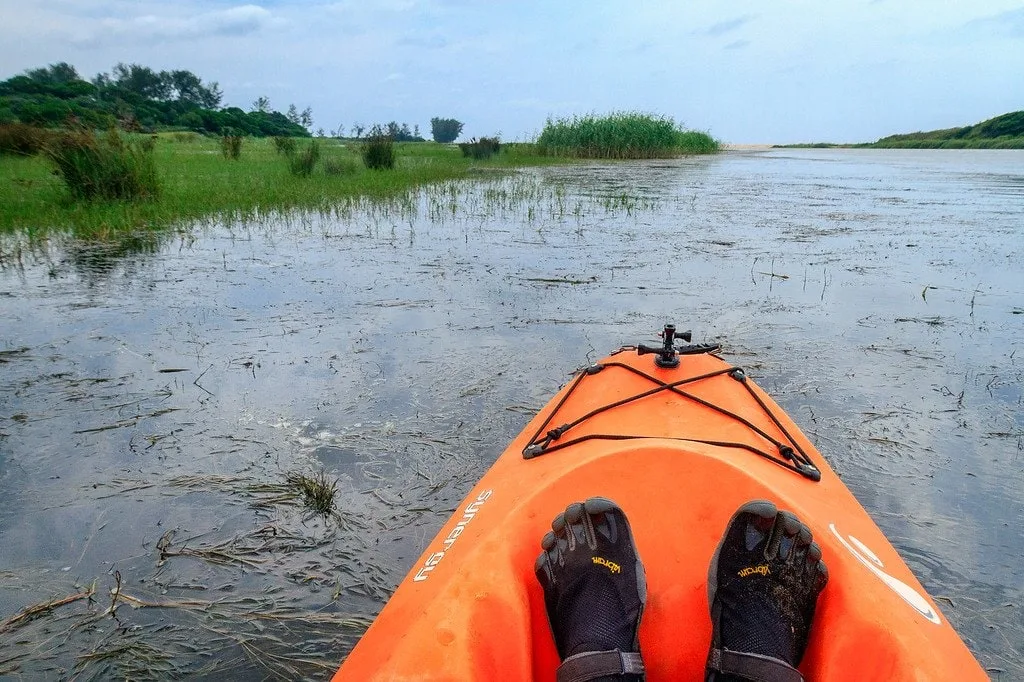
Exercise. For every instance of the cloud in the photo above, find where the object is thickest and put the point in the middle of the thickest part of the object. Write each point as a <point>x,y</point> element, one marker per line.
<point>723,27</point>
<point>233,21</point>
<point>1010,23</point>
<point>737,45</point>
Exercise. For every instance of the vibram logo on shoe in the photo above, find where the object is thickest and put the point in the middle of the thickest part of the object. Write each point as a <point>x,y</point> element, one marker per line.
<point>611,565</point>
<point>750,570</point>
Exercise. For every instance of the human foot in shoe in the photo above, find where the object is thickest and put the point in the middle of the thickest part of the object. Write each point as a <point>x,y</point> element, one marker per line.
<point>594,590</point>
<point>763,585</point>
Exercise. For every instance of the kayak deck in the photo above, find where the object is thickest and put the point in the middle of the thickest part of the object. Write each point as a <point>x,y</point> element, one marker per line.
<point>471,607</point>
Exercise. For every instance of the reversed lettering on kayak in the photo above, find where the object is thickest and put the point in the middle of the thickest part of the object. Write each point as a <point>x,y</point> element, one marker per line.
<point>874,564</point>
<point>751,570</point>
<point>610,565</point>
<point>467,515</point>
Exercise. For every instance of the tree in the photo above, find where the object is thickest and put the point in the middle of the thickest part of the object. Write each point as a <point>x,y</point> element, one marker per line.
<point>357,130</point>
<point>211,96</point>
<point>143,81</point>
<point>306,118</point>
<point>293,113</point>
<point>445,129</point>
<point>262,105</point>
<point>55,74</point>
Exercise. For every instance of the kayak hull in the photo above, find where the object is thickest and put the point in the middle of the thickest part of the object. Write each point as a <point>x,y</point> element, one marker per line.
<point>471,608</point>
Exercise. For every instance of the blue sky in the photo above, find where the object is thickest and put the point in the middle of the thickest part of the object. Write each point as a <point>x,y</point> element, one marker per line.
<point>748,72</point>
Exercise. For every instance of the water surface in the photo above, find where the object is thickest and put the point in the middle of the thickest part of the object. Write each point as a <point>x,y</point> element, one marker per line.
<point>155,393</point>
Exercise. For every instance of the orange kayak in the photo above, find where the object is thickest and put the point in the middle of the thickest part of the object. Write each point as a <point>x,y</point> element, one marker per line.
<point>679,441</point>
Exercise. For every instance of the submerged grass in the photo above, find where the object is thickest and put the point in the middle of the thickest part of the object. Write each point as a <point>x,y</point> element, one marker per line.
<point>196,183</point>
<point>622,135</point>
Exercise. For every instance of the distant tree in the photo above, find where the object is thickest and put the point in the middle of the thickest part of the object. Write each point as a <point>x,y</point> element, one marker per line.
<point>416,130</point>
<point>445,129</point>
<point>262,105</point>
<point>293,113</point>
<point>306,118</point>
<point>320,132</point>
<point>211,95</point>
<point>340,132</point>
<point>143,81</point>
<point>55,74</point>
<point>188,88</point>
<point>357,130</point>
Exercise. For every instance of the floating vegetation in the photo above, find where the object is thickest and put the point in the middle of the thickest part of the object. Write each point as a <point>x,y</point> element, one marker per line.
<point>317,491</point>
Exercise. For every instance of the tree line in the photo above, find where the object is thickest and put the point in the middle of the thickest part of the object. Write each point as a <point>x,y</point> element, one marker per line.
<point>134,97</point>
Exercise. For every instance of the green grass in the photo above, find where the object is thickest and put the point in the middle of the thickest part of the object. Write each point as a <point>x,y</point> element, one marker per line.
<point>622,135</point>
<point>1002,132</point>
<point>197,182</point>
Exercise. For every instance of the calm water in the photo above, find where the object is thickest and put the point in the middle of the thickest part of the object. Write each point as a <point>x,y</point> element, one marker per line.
<point>156,393</point>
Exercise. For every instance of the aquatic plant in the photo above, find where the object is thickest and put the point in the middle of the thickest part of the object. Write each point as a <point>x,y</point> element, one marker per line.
<point>231,146</point>
<point>284,145</point>
<point>337,166</point>
<point>379,151</point>
<point>484,148</point>
<point>317,491</point>
<point>107,167</point>
<point>622,135</point>
<point>302,163</point>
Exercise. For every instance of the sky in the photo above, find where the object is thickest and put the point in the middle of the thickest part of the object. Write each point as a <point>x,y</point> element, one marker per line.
<point>746,71</point>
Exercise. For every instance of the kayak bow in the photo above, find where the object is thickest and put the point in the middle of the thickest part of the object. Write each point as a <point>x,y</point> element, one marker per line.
<point>679,439</point>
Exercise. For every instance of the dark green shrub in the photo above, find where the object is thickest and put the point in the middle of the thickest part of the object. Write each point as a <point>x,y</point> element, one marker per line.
<point>23,140</point>
<point>105,167</point>
<point>302,163</point>
<point>484,148</point>
<point>231,146</point>
<point>379,151</point>
<point>284,145</point>
<point>336,166</point>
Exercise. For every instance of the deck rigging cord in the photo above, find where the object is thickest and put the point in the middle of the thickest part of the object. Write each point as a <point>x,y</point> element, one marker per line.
<point>789,453</point>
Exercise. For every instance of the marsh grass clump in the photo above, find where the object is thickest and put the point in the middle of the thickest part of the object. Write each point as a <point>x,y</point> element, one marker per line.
<point>107,167</point>
<point>622,135</point>
<point>378,151</point>
<point>484,148</point>
<point>317,491</point>
<point>302,163</point>
<point>336,166</point>
<point>285,145</point>
<point>22,140</point>
<point>231,146</point>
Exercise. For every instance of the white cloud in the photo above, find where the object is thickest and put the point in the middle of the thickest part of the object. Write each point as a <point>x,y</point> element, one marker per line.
<point>233,21</point>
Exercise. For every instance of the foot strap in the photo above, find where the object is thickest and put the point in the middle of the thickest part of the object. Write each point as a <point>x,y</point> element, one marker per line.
<point>591,665</point>
<point>752,666</point>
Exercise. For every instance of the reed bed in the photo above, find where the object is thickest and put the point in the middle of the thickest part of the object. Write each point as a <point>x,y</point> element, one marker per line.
<point>622,135</point>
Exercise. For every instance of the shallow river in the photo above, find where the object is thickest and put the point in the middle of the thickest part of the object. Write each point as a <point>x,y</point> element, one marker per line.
<point>156,393</point>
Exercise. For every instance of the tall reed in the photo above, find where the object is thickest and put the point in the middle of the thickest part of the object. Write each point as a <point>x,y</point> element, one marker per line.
<point>622,135</point>
<point>302,163</point>
<point>231,146</point>
<point>107,167</point>
<point>379,152</point>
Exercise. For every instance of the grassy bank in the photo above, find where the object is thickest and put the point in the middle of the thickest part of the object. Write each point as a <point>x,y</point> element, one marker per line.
<point>197,181</point>
<point>622,135</point>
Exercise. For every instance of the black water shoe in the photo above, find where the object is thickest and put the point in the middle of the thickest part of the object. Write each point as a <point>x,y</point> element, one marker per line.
<point>763,585</point>
<point>595,591</point>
